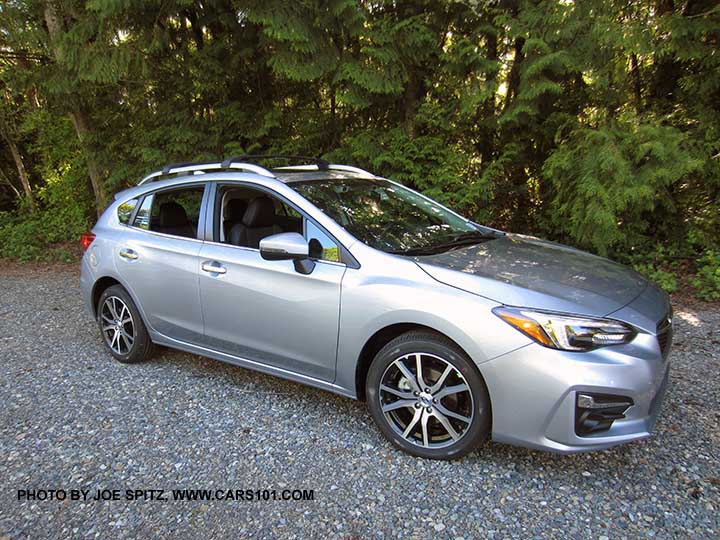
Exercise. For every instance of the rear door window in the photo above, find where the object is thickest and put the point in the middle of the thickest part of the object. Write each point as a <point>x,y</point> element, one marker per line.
<point>142,218</point>
<point>175,212</point>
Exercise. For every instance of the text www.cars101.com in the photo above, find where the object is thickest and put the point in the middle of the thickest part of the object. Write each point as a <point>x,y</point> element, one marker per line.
<point>245,495</point>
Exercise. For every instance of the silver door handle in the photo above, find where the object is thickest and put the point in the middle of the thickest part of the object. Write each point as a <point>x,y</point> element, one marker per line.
<point>128,254</point>
<point>216,268</point>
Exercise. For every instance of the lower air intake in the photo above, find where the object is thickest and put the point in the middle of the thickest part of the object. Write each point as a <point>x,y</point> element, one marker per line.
<point>595,413</point>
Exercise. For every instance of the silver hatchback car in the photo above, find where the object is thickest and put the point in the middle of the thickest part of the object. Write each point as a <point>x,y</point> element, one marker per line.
<point>328,275</point>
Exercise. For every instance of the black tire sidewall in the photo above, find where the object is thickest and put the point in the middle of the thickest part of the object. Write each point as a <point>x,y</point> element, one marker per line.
<point>414,342</point>
<point>141,345</point>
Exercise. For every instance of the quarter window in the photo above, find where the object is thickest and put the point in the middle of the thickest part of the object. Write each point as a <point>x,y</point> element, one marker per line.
<point>125,210</point>
<point>321,246</point>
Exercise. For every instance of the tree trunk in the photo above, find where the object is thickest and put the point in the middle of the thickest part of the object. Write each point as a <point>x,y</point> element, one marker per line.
<point>637,83</point>
<point>77,116</point>
<point>196,28</point>
<point>80,121</point>
<point>513,81</point>
<point>22,173</point>
<point>667,67</point>
<point>485,114</point>
<point>491,51</point>
<point>412,98</point>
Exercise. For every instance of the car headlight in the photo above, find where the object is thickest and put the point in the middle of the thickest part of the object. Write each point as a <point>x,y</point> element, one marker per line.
<point>566,332</point>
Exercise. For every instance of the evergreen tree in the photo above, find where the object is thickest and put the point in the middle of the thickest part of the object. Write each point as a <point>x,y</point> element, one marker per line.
<point>594,123</point>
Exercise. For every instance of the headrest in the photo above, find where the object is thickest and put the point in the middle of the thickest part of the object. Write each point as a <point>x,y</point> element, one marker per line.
<point>172,215</point>
<point>235,209</point>
<point>260,213</point>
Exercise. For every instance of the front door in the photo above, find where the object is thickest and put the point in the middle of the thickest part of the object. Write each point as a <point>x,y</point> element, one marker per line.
<point>265,311</point>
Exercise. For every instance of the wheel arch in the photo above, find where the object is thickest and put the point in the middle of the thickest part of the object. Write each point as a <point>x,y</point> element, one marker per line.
<point>383,336</point>
<point>99,287</point>
<point>108,280</point>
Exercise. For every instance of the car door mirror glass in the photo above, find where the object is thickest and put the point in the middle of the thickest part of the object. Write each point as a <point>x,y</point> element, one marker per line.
<point>284,246</point>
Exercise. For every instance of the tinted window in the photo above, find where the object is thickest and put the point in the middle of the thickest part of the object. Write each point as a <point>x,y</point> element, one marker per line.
<point>233,228</point>
<point>175,212</point>
<point>125,210</point>
<point>142,218</point>
<point>234,202</point>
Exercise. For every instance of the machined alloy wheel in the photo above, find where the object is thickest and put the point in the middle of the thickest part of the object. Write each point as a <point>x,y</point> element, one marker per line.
<point>428,397</point>
<point>122,326</point>
<point>426,400</point>
<point>117,325</point>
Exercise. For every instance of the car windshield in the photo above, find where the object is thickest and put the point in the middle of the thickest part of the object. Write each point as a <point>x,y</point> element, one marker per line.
<point>389,217</point>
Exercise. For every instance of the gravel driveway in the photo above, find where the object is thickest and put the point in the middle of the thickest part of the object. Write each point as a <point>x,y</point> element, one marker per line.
<point>72,418</point>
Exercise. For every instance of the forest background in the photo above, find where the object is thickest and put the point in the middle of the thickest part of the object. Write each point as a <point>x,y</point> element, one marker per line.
<point>594,123</point>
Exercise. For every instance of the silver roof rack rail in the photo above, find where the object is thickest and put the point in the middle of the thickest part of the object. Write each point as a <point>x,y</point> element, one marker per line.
<point>330,167</point>
<point>201,168</point>
<point>349,168</point>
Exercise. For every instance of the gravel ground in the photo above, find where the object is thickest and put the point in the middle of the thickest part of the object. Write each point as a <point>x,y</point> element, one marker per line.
<point>72,418</point>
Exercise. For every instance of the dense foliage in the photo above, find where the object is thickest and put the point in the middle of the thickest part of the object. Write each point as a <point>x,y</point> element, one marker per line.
<point>595,123</point>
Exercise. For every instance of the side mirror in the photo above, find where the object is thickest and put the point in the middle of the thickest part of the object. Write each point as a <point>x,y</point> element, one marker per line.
<point>288,247</point>
<point>283,247</point>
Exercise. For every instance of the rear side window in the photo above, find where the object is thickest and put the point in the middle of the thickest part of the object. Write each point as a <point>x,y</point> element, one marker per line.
<point>175,212</point>
<point>125,210</point>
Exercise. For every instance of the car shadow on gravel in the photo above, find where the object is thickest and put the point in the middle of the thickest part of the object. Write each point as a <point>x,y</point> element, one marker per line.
<point>241,382</point>
<point>691,323</point>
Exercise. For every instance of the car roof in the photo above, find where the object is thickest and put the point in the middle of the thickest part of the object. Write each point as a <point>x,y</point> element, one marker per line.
<point>284,175</point>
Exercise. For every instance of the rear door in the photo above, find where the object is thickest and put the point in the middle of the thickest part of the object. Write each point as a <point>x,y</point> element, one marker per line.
<point>267,312</point>
<point>158,259</point>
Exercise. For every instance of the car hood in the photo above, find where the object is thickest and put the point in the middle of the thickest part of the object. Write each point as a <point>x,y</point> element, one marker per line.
<point>525,271</point>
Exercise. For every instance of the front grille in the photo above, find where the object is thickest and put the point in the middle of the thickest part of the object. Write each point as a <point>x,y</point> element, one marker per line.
<point>664,334</point>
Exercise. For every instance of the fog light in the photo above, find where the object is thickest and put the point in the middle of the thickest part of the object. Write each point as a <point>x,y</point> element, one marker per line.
<point>587,401</point>
<point>595,413</point>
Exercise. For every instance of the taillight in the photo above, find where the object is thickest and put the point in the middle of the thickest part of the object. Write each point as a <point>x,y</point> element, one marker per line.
<point>86,239</point>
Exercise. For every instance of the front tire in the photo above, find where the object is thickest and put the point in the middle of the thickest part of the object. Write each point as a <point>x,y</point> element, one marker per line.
<point>121,326</point>
<point>427,397</point>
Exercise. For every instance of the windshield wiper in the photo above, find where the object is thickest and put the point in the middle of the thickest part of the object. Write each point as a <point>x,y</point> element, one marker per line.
<point>464,239</point>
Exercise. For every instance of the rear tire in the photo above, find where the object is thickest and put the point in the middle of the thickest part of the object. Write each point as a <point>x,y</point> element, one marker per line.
<point>441,413</point>
<point>121,326</point>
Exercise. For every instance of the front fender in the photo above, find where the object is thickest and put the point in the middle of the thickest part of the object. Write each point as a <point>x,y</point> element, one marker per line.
<point>369,305</point>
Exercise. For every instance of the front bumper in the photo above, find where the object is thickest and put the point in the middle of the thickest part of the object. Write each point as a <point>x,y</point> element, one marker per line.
<point>533,392</point>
